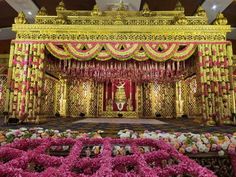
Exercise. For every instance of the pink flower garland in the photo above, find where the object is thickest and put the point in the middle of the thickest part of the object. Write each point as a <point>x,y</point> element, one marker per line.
<point>22,157</point>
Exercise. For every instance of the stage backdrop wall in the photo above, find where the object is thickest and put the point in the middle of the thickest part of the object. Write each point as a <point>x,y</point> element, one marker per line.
<point>83,96</point>
<point>163,99</point>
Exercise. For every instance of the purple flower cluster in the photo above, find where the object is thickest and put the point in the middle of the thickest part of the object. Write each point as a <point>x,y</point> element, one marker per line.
<point>142,157</point>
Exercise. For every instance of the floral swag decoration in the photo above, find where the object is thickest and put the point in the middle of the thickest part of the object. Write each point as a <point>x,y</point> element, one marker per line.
<point>122,51</point>
<point>95,157</point>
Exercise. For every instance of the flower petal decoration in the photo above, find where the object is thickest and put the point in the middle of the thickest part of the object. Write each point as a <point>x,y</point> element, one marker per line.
<point>86,53</point>
<point>35,157</point>
<point>159,52</point>
<point>184,53</point>
<point>58,52</point>
<point>162,55</point>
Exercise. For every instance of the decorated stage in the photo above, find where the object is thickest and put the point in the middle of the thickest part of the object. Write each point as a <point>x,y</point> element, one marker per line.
<point>95,81</point>
<point>137,64</point>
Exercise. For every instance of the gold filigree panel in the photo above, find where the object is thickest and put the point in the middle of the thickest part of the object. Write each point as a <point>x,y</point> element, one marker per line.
<point>191,103</point>
<point>93,102</point>
<point>58,95</point>
<point>147,105</point>
<point>163,99</point>
<point>48,97</point>
<point>79,98</point>
<point>120,37</point>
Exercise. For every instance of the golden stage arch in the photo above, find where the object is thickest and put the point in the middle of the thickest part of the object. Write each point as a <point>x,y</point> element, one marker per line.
<point>122,35</point>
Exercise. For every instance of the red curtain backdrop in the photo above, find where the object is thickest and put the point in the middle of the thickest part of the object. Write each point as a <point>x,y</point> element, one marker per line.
<point>110,90</point>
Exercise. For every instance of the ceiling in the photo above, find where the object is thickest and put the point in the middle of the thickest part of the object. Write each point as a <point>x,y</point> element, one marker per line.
<point>190,5</point>
<point>70,4</point>
<point>230,13</point>
<point>10,8</point>
<point>7,14</point>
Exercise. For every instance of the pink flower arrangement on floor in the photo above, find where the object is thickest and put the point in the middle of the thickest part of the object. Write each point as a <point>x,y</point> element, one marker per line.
<point>144,157</point>
<point>189,142</point>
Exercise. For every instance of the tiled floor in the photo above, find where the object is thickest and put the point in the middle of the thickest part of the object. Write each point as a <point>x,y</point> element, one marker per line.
<point>111,129</point>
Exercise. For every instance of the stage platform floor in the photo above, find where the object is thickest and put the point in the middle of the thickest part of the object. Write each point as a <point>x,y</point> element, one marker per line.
<point>120,121</point>
<point>111,129</point>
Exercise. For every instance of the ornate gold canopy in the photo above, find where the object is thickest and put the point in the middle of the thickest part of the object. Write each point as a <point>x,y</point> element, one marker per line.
<point>121,25</point>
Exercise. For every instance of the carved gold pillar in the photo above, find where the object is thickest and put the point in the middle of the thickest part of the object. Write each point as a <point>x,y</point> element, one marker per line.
<point>179,99</point>
<point>63,99</point>
<point>139,100</point>
<point>56,95</point>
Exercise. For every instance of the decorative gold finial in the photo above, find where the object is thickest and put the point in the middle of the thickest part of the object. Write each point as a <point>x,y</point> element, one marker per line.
<point>118,20</point>
<point>201,12</point>
<point>61,19</point>
<point>220,20</point>
<point>179,6</point>
<point>181,20</point>
<point>121,6</point>
<point>146,11</point>
<point>20,19</point>
<point>42,12</point>
<point>61,6</point>
<point>96,11</point>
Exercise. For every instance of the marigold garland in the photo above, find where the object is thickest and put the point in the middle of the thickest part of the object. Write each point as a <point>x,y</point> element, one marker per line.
<point>104,51</point>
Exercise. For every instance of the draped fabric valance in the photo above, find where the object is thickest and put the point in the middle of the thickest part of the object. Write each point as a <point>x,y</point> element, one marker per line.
<point>122,51</point>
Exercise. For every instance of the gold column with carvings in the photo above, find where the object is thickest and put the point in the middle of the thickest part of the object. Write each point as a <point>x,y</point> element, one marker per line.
<point>179,102</point>
<point>63,99</point>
